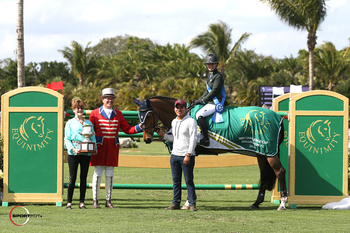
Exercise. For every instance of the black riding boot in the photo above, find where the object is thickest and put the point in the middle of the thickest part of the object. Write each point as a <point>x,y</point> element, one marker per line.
<point>204,129</point>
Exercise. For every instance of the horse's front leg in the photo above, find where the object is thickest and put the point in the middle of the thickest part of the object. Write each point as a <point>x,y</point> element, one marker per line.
<point>280,174</point>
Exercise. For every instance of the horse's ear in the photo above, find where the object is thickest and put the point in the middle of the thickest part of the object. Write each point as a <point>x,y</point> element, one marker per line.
<point>136,101</point>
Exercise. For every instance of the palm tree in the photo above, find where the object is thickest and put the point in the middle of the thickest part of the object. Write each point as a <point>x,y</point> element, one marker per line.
<point>291,68</point>
<point>245,67</point>
<point>218,40</point>
<point>82,60</point>
<point>20,46</point>
<point>302,15</point>
<point>330,64</point>
<point>343,87</point>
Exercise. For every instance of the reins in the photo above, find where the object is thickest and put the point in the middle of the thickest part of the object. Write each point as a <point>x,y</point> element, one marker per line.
<point>155,125</point>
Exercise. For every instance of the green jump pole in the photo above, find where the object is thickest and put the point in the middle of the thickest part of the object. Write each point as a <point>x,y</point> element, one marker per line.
<point>170,186</point>
<point>87,112</point>
<point>282,114</point>
<point>87,117</point>
<point>133,114</point>
<point>136,135</point>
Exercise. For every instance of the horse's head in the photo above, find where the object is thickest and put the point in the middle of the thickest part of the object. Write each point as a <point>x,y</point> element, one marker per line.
<point>148,119</point>
<point>152,110</point>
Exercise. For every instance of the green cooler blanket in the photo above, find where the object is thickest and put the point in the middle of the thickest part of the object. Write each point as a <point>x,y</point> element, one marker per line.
<point>245,130</point>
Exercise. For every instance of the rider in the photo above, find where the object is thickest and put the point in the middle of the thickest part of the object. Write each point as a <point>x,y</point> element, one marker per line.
<point>214,95</point>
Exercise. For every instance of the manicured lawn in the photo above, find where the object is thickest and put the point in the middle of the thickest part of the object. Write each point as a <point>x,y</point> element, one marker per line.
<point>143,210</point>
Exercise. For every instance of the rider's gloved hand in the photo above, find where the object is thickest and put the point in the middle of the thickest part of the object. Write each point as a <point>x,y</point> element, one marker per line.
<point>195,102</point>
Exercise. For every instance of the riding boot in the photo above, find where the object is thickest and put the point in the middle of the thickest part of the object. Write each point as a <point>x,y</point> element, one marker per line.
<point>204,129</point>
<point>96,181</point>
<point>109,188</point>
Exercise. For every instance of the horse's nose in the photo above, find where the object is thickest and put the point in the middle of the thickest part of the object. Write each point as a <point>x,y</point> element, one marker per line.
<point>148,140</point>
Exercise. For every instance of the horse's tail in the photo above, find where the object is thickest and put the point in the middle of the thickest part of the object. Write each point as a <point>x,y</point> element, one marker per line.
<point>268,176</point>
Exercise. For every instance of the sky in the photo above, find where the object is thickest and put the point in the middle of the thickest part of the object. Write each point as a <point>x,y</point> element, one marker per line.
<point>52,25</point>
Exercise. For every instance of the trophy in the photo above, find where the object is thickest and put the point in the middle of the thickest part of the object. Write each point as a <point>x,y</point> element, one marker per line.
<point>87,145</point>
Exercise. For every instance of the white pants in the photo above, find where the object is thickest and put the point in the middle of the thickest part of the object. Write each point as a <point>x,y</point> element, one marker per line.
<point>96,180</point>
<point>207,110</point>
<point>108,170</point>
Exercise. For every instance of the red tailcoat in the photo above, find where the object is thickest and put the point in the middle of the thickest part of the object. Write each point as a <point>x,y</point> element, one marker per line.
<point>106,133</point>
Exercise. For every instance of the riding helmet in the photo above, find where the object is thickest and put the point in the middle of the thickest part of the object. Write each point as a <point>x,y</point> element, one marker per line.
<point>211,58</point>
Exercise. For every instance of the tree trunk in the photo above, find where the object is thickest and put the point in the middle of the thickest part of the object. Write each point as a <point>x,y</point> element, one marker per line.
<point>311,70</point>
<point>20,46</point>
<point>311,43</point>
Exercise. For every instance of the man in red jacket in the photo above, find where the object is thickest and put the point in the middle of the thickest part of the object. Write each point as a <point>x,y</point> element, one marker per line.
<point>107,121</point>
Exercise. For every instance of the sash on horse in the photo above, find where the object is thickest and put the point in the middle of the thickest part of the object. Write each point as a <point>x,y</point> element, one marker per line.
<point>245,130</point>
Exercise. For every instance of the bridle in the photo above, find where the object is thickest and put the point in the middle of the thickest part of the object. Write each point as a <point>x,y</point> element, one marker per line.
<point>155,124</point>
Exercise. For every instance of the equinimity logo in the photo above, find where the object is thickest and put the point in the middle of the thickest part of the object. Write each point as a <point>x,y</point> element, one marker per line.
<point>319,138</point>
<point>31,134</point>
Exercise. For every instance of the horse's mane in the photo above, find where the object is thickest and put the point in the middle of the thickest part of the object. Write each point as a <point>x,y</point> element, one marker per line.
<point>161,97</point>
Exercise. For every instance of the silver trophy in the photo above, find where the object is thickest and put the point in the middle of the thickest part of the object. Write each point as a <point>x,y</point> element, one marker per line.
<point>87,145</point>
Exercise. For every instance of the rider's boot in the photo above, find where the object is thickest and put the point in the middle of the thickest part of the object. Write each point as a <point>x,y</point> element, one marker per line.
<point>204,129</point>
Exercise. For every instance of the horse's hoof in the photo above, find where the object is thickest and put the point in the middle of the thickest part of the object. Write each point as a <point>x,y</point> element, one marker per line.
<point>281,208</point>
<point>253,207</point>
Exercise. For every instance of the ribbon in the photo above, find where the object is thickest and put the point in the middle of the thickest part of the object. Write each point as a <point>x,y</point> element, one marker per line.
<point>219,106</point>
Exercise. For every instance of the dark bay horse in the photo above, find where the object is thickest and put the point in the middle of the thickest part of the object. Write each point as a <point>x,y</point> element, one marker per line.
<point>160,108</point>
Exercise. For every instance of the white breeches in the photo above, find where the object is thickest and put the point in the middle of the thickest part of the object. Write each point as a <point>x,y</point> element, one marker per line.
<point>108,170</point>
<point>96,181</point>
<point>207,110</point>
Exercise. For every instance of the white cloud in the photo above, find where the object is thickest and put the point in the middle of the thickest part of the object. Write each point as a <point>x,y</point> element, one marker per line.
<point>332,5</point>
<point>99,12</point>
<point>278,44</point>
<point>8,12</point>
<point>251,8</point>
<point>8,46</point>
<point>161,7</point>
<point>51,25</point>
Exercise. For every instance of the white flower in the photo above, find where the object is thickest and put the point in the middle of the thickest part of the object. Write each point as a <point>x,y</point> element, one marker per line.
<point>1,174</point>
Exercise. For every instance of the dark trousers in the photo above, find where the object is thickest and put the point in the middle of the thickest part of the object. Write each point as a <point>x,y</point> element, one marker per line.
<point>177,167</point>
<point>73,162</point>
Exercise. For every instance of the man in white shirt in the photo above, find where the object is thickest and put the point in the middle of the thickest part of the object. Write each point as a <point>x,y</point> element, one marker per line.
<point>184,138</point>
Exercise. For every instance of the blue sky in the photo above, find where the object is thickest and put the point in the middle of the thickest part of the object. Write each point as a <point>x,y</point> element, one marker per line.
<point>52,25</point>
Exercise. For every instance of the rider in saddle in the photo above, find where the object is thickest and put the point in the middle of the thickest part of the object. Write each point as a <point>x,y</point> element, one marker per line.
<point>213,97</point>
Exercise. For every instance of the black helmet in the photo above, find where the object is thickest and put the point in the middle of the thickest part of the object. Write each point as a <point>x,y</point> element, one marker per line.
<point>211,58</point>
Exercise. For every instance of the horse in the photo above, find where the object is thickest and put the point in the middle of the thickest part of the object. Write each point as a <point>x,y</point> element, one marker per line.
<point>160,108</point>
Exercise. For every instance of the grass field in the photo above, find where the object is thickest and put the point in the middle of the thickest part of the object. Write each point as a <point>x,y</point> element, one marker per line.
<point>156,148</point>
<point>143,210</point>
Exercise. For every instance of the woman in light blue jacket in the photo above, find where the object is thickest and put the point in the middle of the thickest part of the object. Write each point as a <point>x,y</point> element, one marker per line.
<point>73,135</point>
